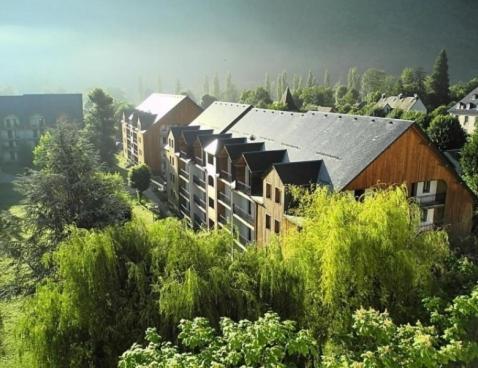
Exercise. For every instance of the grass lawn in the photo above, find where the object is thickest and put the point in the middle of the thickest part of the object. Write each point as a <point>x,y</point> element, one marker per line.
<point>8,196</point>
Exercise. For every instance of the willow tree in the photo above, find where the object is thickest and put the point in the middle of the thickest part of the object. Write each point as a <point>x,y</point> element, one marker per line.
<point>362,253</point>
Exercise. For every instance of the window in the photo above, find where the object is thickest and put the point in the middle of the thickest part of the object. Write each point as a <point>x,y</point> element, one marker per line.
<point>211,224</point>
<point>426,187</point>
<point>268,222</point>
<point>210,181</point>
<point>276,227</point>
<point>277,195</point>
<point>249,207</point>
<point>211,202</point>
<point>268,190</point>
<point>249,234</point>
<point>423,214</point>
<point>466,119</point>
<point>10,134</point>
<point>358,194</point>
<point>163,140</point>
<point>210,159</point>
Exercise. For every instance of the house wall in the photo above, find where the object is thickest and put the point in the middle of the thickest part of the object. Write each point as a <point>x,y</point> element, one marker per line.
<point>411,159</point>
<point>419,107</point>
<point>270,207</point>
<point>152,140</point>
<point>468,123</point>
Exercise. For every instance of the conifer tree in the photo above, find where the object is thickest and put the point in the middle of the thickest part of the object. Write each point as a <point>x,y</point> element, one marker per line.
<point>206,85</point>
<point>438,82</point>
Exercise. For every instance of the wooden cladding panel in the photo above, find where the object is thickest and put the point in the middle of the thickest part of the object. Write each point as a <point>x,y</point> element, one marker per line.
<point>412,159</point>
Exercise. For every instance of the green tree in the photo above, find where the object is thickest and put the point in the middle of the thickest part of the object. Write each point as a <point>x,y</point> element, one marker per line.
<point>206,85</point>
<point>373,80</point>
<point>67,173</point>
<point>377,341</point>
<point>446,132</point>
<point>267,342</point>
<point>340,92</point>
<point>438,83</point>
<point>100,125</point>
<point>353,79</point>
<point>326,78</point>
<point>216,88</point>
<point>230,90</point>
<point>207,100</point>
<point>258,97</point>
<point>178,87</point>
<point>310,82</point>
<point>366,253</point>
<point>267,84</point>
<point>139,177</point>
<point>469,161</point>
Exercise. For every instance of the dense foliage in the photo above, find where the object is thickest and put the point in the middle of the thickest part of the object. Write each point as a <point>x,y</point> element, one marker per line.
<point>139,178</point>
<point>446,132</point>
<point>267,342</point>
<point>111,285</point>
<point>67,172</point>
<point>100,124</point>
<point>469,161</point>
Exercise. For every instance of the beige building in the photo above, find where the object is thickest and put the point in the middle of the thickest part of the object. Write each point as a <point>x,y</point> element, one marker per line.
<point>467,111</point>
<point>235,173</point>
<point>145,129</point>
<point>24,118</point>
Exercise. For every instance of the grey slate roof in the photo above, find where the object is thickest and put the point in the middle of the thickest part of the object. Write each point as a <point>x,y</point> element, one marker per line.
<point>216,145</point>
<point>347,144</point>
<point>299,173</point>
<point>50,106</point>
<point>190,135</point>
<point>219,116</point>
<point>177,131</point>
<point>262,160</point>
<point>397,102</point>
<point>468,105</point>
<point>237,149</point>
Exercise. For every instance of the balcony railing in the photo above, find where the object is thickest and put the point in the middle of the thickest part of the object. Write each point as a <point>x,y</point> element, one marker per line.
<point>429,227</point>
<point>243,214</point>
<point>243,187</point>
<point>225,175</point>
<point>184,192</point>
<point>224,198</point>
<point>243,240</point>
<point>184,173</point>
<point>198,160</point>
<point>199,201</point>
<point>198,181</point>
<point>184,154</point>
<point>223,220</point>
<point>431,199</point>
<point>184,210</point>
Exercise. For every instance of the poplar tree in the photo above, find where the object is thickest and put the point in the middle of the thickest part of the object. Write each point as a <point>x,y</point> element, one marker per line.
<point>206,85</point>
<point>216,88</point>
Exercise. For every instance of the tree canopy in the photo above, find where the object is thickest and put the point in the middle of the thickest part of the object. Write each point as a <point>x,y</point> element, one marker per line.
<point>446,132</point>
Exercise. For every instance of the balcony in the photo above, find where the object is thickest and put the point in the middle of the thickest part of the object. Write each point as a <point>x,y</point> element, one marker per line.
<point>184,210</point>
<point>199,182</point>
<point>184,192</point>
<point>430,200</point>
<point>200,202</point>
<point>223,220</point>
<point>184,174</point>
<point>243,187</point>
<point>243,214</point>
<point>243,240</point>
<point>198,160</point>
<point>224,199</point>
<point>227,176</point>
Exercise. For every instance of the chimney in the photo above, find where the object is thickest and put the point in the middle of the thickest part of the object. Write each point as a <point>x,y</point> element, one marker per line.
<point>400,96</point>
<point>383,95</point>
<point>415,95</point>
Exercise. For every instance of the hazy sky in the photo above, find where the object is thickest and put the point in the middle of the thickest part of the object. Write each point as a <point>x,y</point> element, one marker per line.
<point>48,44</point>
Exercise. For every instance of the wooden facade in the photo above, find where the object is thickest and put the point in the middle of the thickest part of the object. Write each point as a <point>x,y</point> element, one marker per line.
<point>151,142</point>
<point>413,158</point>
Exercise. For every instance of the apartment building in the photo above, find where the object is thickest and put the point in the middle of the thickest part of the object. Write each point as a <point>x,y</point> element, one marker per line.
<point>467,111</point>
<point>24,118</point>
<point>145,129</point>
<point>237,174</point>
